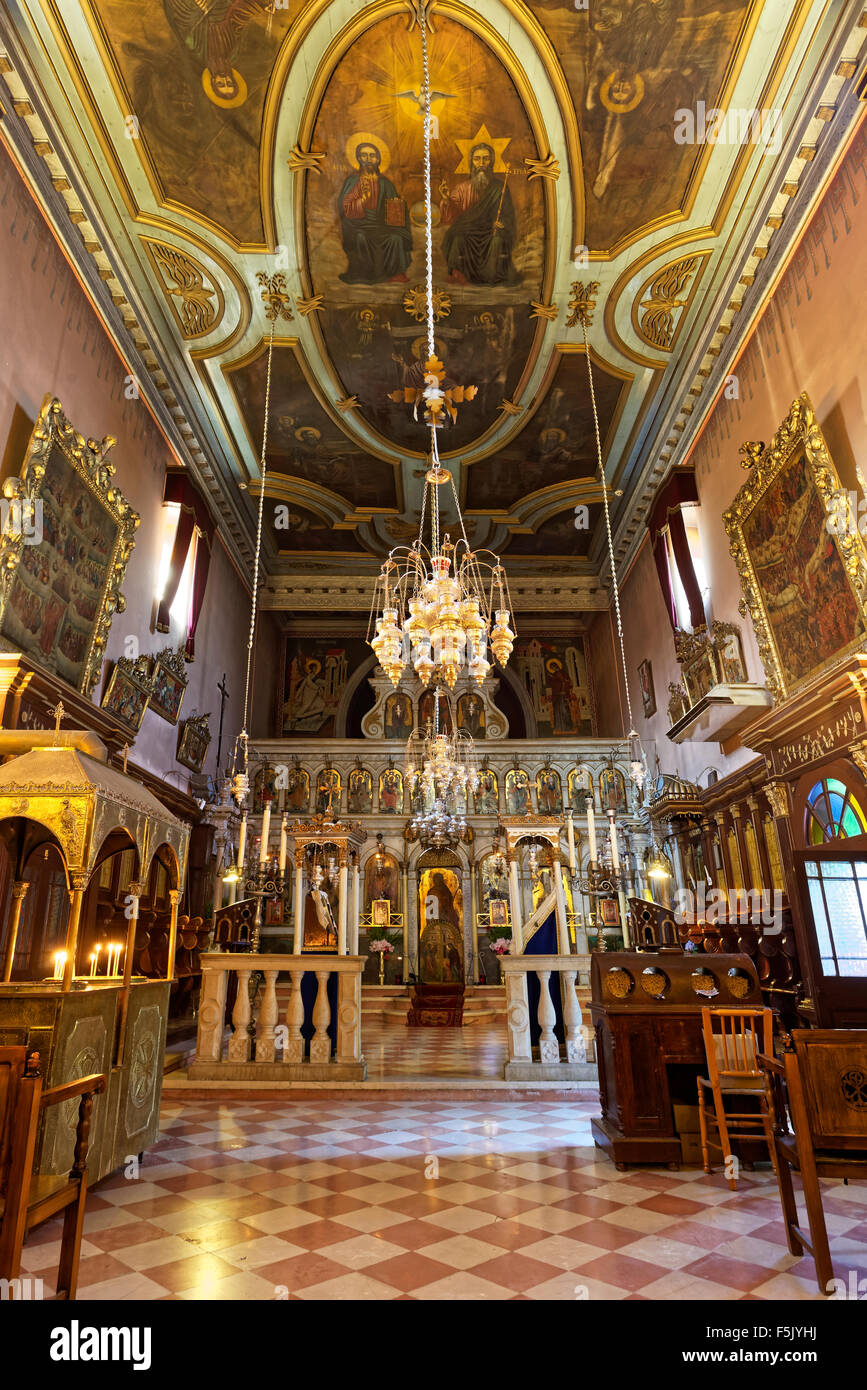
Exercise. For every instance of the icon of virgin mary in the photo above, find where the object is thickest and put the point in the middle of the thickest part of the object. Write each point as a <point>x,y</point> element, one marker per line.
<point>441,955</point>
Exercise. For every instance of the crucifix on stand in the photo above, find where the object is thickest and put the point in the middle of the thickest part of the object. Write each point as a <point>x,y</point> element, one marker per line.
<point>224,696</point>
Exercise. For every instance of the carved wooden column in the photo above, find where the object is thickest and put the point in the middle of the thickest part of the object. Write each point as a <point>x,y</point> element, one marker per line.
<point>746,872</point>
<point>761,847</point>
<point>174,899</point>
<point>708,826</point>
<point>342,891</point>
<point>724,851</point>
<point>76,898</point>
<point>134,892</point>
<point>779,800</point>
<point>515,903</point>
<point>19,893</point>
<point>298,940</point>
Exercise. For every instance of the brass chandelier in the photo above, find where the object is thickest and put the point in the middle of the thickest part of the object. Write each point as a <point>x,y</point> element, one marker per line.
<point>442,605</point>
<point>440,771</point>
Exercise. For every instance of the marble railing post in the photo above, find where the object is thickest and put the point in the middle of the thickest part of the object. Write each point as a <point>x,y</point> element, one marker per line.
<point>239,1043</point>
<point>549,1048</point>
<point>294,1049</point>
<point>355,908</point>
<point>342,905</point>
<point>320,1046</point>
<point>515,905</point>
<point>266,1026</point>
<point>349,1018</point>
<point>575,1048</point>
<point>212,1015</point>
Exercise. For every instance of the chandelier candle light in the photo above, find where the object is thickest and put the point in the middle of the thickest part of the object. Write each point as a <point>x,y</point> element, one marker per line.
<point>440,605</point>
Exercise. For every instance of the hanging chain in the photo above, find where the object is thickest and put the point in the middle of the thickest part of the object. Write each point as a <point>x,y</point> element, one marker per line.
<point>254,605</point>
<point>614,584</point>
<point>428,241</point>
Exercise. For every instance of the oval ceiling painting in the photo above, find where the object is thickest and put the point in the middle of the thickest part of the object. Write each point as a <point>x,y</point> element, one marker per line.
<point>365,226</point>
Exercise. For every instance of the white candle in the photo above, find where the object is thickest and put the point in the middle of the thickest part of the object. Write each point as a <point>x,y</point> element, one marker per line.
<point>94,968</point>
<point>284,835</point>
<point>59,963</point>
<point>615,854</point>
<point>242,842</point>
<point>570,833</point>
<point>266,827</point>
<point>591,829</point>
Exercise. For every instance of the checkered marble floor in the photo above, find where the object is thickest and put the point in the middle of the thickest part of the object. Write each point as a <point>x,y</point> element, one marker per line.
<point>481,1200</point>
<point>479,1051</point>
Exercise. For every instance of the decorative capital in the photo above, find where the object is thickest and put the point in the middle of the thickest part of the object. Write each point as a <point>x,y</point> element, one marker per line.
<point>174,896</point>
<point>79,882</point>
<point>547,168</point>
<point>543,311</point>
<point>135,889</point>
<point>582,304</point>
<point>778,797</point>
<point>275,296</point>
<point>299,160</point>
<point>309,306</point>
<point>19,889</point>
<point>858,754</point>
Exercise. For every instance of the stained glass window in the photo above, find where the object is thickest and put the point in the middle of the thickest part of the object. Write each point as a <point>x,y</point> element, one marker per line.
<point>833,813</point>
<point>838,897</point>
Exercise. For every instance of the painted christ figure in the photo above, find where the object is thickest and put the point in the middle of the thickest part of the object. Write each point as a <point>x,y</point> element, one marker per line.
<point>212,30</point>
<point>374,223</point>
<point>480,218</point>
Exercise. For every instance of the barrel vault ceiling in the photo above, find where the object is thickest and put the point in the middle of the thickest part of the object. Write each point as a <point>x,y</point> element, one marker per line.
<point>184,148</point>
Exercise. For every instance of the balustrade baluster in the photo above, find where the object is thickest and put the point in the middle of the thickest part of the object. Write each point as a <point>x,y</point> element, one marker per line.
<point>575,1048</point>
<point>549,1048</point>
<point>348,1018</point>
<point>518,1016</point>
<point>294,1049</point>
<point>212,1016</point>
<point>239,1043</point>
<point>320,1047</point>
<point>266,1048</point>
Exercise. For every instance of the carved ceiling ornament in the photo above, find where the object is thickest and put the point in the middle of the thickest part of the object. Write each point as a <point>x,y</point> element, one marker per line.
<point>582,303</point>
<point>195,298</point>
<point>799,434</point>
<point>660,305</point>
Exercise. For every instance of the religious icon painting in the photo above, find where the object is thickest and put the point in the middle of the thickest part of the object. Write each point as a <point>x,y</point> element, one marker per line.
<point>264,788</point>
<point>648,695</point>
<point>328,789</point>
<point>580,784</point>
<point>499,912</point>
<point>610,912</point>
<point>391,792</point>
<point>380,913</point>
<point>611,782</point>
<point>441,944</point>
<point>427,710</point>
<point>800,555</point>
<point>485,797</point>
<point>518,799</point>
<point>170,683</point>
<point>549,792</point>
<point>471,715</point>
<point>297,790</point>
<point>128,691</point>
<point>360,792</point>
<point>194,736</point>
<point>398,716</point>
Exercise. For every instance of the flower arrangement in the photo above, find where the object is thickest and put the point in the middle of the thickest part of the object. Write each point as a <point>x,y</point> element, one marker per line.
<point>501,946</point>
<point>381,947</point>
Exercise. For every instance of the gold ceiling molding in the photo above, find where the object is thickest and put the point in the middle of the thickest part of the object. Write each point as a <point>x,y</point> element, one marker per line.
<point>660,307</point>
<point>543,311</point>
<point>330,507</point>
<point>310,159</point>
<point>582,303</point>
<point>193,294</point>
<point>310,306</point>
<point>336,51</point>
<point>275,296</point>
<point>653,253</point>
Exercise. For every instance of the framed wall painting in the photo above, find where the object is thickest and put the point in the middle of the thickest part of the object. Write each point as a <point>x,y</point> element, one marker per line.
<point>380,913</point>
<point>800,556</point>
<point>499,912</point>
<point>729,653</point>
<point>66,539</point>
<point>169,684</point>
<point>194,736</point>
<point>648,694</point>
<point>128,691</point>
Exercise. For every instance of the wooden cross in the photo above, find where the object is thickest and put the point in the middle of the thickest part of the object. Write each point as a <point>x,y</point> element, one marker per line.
<point>224,696</point>
<point>58,713</point>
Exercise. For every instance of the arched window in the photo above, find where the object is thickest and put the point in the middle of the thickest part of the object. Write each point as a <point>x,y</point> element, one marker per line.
<point>833,813</point>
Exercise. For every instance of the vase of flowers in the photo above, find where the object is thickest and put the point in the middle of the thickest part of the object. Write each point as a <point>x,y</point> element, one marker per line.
<point>381,947</point>
<point>500,947</point>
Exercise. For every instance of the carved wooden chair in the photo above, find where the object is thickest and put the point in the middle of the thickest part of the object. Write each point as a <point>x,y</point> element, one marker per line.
<point>733,1040</point>
<point>26,1199</point>
<point>825,1074</point>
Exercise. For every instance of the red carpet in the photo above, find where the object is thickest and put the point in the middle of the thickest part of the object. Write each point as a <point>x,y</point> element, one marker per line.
<point>436,1006</point>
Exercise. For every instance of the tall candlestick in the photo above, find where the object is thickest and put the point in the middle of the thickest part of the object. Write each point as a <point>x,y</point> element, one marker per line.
<point>570,833</point>
<point>591,829</point>
<point>266,827</point>
<point>615,853</point>
<point>284,835</point>
<point>242,842</point>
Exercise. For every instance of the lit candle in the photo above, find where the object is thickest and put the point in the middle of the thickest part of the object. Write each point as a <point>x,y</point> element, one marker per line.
<point>615,853</point>
<point>59,964</point>
<point>242,842</point>
<point>266,827</point>
<point>284,836</point>
<point>570,832</point>
<point>94,961</point>
<point>591,829</point>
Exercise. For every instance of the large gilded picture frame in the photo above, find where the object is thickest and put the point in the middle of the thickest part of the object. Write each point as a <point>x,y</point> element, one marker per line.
<point>66,540</point>
<point>801,559</point>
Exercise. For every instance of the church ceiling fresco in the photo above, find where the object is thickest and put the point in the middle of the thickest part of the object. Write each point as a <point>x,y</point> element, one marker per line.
<point>630,64</point>
<point>226,139</point>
